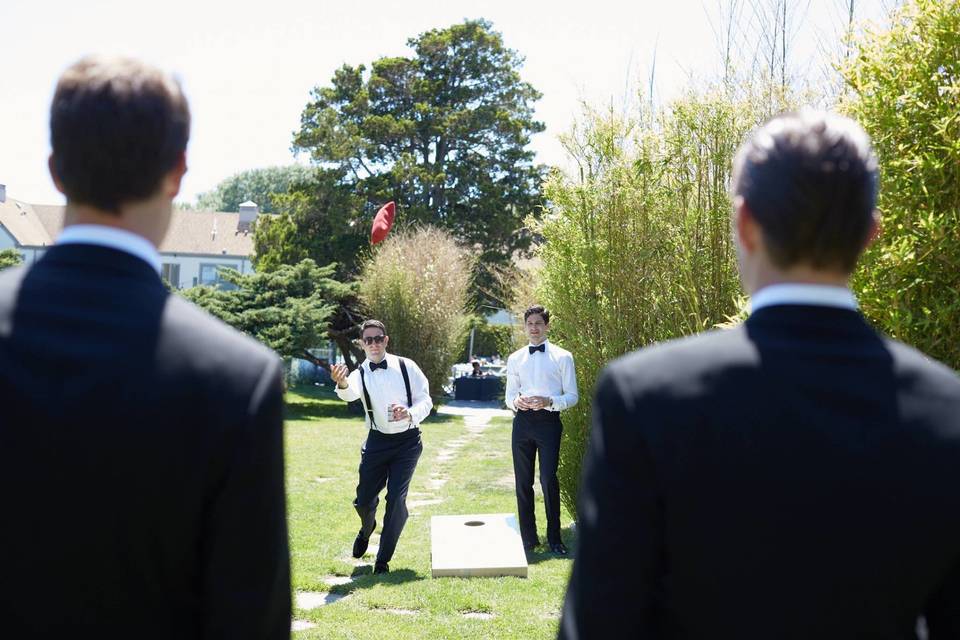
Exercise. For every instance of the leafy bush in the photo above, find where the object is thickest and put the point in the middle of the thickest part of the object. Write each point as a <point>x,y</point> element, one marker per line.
<point>10,258</point>
<point>417,283</point>
<point>905,91</point>
<point>287,309</point>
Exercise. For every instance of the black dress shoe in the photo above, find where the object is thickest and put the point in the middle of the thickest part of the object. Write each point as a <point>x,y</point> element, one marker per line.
<point>360,545</point>
<point>559,548</point>
<point>362,541</point>
<point>381,567</point>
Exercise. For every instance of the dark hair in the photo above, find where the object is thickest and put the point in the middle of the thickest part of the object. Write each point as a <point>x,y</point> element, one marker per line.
<point>117,127</point>
<point>810,181</point>
<point>537,310</point>
<point>372,323</point>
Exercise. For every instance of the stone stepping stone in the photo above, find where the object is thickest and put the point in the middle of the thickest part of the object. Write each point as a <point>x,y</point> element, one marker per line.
<point>402,612</point>
<point>336,581</point>
<point>320,480</point>
<point>312,599</point>
<point>478,615</point>
<point>301,625</point>
<point>424,503</point>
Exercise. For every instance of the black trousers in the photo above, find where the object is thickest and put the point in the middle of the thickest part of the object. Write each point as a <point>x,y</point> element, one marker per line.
<point>537,432</point>
<point>386,460</point>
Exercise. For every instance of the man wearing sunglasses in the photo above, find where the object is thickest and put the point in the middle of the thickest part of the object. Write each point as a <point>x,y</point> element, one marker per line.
<point>396,399</point>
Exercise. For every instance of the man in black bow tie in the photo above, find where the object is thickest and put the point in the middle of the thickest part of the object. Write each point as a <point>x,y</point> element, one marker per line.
<point>541,382</point>
<point>396,398</point>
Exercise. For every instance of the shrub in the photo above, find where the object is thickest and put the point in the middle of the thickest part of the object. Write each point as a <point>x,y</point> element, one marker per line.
<point>905,91</point>
<point>287,309</point>
<point>10,258</point>
<point>417,283</point>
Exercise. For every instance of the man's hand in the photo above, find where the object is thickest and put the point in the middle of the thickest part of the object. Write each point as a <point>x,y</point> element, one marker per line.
<point>339,374</point>
<point>533,403</point>
<point>400,413</point>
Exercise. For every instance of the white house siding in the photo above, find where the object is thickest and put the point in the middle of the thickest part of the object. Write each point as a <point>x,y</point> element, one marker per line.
<point>7,241</point>
<point>190,266</point>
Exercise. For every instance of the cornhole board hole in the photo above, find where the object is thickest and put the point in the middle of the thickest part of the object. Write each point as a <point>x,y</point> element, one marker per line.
<point>474,545</point>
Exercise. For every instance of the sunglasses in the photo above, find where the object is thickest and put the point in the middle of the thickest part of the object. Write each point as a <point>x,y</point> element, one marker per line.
<point>374,339</point>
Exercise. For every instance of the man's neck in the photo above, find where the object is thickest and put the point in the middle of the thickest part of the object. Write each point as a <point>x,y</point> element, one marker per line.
<point>537,343</point>
<point>798,275</point>
<point>143,219</point>
<point>377,360</point>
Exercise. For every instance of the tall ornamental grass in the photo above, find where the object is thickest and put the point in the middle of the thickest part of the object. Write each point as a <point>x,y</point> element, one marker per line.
<point>417,282</point>
<point>636,246</point>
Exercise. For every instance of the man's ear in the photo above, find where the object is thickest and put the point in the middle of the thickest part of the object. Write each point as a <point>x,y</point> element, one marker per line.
<point>171,182</point>
<point>748,230</point>
<point>876,228</point>
<point>52,166</point>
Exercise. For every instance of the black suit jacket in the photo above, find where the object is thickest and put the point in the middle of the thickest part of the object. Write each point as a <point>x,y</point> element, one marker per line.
<point>141,460</point>
<point>796,477</point>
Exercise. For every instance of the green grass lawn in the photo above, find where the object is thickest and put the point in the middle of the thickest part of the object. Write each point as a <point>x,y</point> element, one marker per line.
<point>323,450</point>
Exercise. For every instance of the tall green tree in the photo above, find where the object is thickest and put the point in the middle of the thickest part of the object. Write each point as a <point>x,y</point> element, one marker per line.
<point>905,90</point>
<point>287,309</point>
<point>318,218</point>
<point>445,133</point>
<point>259,185</point>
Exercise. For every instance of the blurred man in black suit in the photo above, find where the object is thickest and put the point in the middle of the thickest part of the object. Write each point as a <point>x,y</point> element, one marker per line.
<point>141,452</point>
<point>795,477</point>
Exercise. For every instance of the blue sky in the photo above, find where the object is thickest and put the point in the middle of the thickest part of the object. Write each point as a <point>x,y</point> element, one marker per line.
<point>248,68</point>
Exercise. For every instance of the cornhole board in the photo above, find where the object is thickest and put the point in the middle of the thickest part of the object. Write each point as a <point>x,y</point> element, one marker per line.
<point>474,545</point>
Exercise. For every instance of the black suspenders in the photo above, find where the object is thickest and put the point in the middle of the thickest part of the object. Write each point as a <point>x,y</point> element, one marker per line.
<point>366,396</point>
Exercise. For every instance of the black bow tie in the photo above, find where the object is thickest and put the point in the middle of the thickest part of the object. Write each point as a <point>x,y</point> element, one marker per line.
<point>542,347</point>
<point>378,365</point>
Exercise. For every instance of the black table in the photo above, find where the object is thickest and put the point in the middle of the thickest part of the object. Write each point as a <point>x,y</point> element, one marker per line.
<point>477,388</point>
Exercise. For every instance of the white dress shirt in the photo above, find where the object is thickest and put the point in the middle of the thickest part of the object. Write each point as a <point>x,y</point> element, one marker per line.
<point>112,238</point>
<point>386,387</point>
<point>549,373</point>
<point>798,293</point>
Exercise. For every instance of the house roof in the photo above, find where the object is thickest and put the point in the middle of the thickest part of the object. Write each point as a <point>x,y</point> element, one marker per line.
<point>190,232</point>
<point>21,220</point>
<point>208,232</point>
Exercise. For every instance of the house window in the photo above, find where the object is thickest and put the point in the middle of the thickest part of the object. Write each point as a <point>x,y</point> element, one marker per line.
<point>210,275</point>
<point>170,271</point>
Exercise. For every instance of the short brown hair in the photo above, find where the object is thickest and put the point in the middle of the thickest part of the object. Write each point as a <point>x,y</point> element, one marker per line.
<point>537,309</point>
<point>372,323</point>
<point>810,181</point>
<point>117,126</point>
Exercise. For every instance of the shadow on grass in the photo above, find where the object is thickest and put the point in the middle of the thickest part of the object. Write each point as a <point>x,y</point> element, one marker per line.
<point>300,409</point>
<point>543,553</point>
<point>364,578</point>
<point>316,403</point>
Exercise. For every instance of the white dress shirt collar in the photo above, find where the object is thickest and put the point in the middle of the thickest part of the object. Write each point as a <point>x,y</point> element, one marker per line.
<point>796,293</point>
<point>112,238</point>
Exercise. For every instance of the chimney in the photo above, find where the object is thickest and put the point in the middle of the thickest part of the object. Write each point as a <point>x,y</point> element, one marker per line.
<point>3,193</point>
<point>248,213</point>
